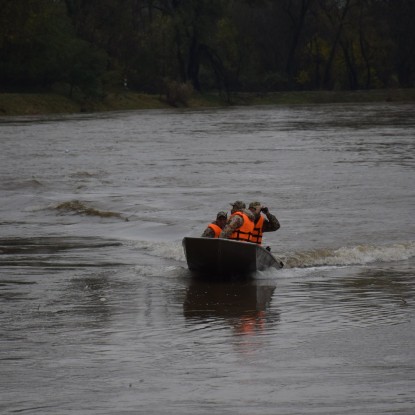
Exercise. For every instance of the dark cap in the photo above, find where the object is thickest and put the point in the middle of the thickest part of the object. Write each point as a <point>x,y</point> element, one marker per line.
<point>238,205</point>
<point>254,205</point>
<point>222,214</point>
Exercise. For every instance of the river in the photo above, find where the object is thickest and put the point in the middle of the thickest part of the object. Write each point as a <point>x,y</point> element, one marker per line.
<point>100,315</point>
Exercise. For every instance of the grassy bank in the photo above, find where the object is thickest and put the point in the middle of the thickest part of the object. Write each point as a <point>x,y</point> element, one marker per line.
<point>43,103</point>
<point>327,97</point>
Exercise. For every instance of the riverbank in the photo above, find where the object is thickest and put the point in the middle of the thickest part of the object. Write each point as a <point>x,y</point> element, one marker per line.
<point>48,103</point>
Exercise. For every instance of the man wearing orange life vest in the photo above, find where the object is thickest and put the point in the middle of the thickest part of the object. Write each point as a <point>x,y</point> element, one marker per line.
<point>267,223</point>
<point>215,228</point>
<point>240,224</point>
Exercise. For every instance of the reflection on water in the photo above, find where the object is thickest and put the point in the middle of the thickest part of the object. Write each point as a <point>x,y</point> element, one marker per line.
<point>243,305</point>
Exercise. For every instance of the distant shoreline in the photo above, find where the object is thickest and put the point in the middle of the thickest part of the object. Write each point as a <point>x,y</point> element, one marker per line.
<point>13,104</point>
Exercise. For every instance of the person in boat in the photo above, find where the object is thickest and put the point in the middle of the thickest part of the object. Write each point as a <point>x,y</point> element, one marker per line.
<point>264,221</point>
<point>240,224</point>
<point>214,229</point>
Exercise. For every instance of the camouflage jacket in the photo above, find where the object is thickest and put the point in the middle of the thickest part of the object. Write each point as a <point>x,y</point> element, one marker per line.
<point>271,223</point>
<point>234,223</point>
<point>209,232</point>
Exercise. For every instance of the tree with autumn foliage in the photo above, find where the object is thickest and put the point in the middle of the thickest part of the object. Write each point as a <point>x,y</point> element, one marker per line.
<point>91,46</point>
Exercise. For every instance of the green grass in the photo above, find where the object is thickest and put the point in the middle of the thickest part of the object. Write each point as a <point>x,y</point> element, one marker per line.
<point>33,104</point>
<point>52,103</point>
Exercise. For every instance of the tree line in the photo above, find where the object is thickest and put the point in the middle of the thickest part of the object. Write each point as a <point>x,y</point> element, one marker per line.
<point>222,45</point>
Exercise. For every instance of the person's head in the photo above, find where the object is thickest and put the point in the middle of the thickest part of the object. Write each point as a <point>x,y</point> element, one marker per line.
<point>221,219</point>
<point>237,206</point>
<point>255,208</point>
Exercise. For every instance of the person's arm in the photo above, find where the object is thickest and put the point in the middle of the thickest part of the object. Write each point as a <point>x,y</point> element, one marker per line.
<point>208,233</point>
<point>271,224</point>
<point>235,222</point>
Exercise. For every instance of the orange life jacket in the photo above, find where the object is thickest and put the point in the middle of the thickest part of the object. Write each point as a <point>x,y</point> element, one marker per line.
<point>251,324</point>
<point>256,236</point>
<point>215,228</point>
<point>244,232</point>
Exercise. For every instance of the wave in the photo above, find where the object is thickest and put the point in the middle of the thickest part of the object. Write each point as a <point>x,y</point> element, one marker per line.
<point>355,255</point>
<point>345,256</point>
<point>80,208</point>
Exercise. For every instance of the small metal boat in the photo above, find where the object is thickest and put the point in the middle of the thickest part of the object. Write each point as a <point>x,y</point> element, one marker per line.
<point>225,257</point>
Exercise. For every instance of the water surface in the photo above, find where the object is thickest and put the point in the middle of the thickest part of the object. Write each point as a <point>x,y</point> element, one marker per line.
<point>100,315</point>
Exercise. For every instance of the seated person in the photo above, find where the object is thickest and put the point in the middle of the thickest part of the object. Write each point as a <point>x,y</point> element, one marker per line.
<point>214,229</point>
<point>263,223</point>
<point>240,224</point>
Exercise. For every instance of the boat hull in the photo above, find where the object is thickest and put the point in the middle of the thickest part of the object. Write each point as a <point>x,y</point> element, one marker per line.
<point>221,257</point>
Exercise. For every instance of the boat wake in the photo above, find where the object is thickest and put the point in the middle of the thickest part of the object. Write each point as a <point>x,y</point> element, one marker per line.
<point>344,256</point>
<point>168,250</point>
<point>354,255</point>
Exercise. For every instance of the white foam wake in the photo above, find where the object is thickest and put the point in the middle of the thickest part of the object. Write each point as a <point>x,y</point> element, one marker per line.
<point>355,255</point>
<point>169,250</point>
